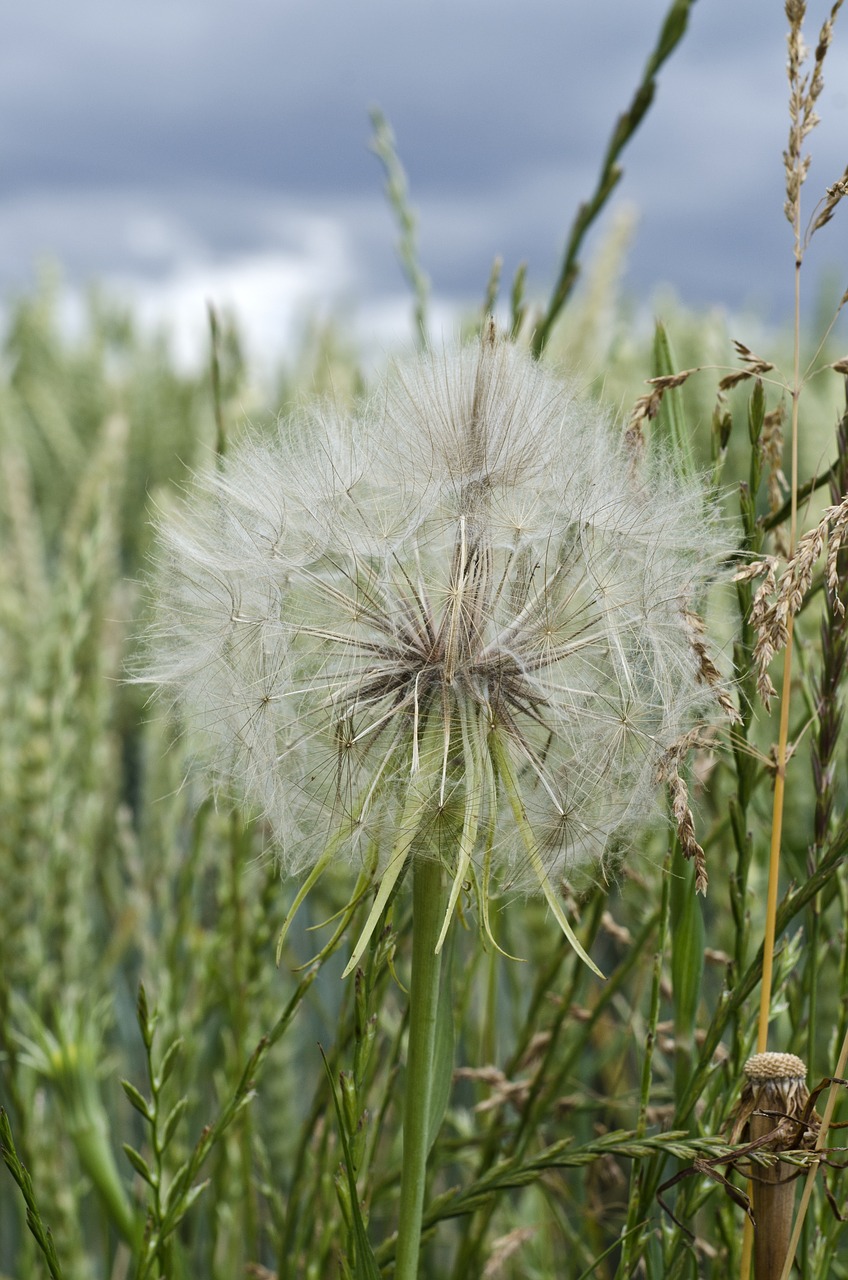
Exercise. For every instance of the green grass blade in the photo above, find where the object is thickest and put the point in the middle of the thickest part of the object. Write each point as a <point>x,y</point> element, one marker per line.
<point>43,1236</point>
<point>671,420</point>
<point>365,1267</point>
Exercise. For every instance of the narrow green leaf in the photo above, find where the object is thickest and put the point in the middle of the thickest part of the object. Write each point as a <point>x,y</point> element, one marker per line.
<point>311,880</point>
<point>501,762</point>
<point>366,1266</point>
<point>517,305</point>
<point>42,1235</point>
<point>756,411</point>
<point>177,1188</point>
<point>397,189</point>
<point>687,964</point>
<point>173,1119</point>
<point>350,1102</point>
<point>673,26</point>
<point>192,1195</point>
<point>137,1099</point>
<point>140,1165</point>
<point>492,287</point>
<point>671,421</point>
<point>179,1204</point>
<point>443,1049</point>
<point>146,1021</point>
<point>616,1244</point>
<point>168,1061</point>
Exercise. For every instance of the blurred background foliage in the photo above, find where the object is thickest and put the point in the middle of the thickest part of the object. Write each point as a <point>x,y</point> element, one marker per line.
<point>117,869</point>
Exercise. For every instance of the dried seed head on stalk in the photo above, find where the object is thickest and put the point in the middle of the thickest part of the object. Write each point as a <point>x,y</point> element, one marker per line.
<point>774,1114</point>
<point>668,771</point>
<point>804,92</point>
<point>780,1078</point>
<point>773,1108</point>
<point>452,624</point>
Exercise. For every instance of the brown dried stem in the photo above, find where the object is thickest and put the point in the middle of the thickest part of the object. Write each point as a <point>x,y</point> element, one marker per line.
<point>773,1114</point>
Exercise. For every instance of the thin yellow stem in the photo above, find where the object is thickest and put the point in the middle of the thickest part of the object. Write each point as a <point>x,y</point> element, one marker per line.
<point>814,1167</point>
<point>774,851</point>
<point>783,732</point>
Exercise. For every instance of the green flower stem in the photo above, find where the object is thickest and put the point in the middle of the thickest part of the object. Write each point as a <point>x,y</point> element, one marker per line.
<point>96,1158</point>
<point>429,899</point>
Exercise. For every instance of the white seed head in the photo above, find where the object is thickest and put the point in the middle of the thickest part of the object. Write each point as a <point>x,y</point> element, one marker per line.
<point>460,609</point>
<point>775,1066</point>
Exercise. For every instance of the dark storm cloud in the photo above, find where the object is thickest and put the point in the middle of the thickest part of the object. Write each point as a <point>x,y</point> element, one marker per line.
<point>152,139</point>
<point>276,95</point>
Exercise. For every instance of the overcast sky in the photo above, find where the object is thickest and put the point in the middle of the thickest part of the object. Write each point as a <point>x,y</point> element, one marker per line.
<point>185,149</point>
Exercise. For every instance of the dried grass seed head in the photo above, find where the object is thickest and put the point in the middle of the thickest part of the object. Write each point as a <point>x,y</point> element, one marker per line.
<point>453,621</point>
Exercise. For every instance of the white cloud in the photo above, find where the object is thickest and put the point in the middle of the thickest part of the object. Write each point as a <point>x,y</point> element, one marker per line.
<point>270,292</point>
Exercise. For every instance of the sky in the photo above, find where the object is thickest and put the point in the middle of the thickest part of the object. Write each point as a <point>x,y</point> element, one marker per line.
<point>185,150</point>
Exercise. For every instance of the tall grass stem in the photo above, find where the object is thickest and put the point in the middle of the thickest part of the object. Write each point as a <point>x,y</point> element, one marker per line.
<point>786,690</point>
<point>836,1085</point>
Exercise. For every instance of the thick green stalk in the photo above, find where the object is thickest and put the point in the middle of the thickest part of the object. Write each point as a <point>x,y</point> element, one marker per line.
<point>97,1160</point>
<point>429,899</point>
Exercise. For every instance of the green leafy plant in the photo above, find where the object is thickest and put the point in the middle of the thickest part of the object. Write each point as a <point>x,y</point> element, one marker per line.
<point>561,1125</point>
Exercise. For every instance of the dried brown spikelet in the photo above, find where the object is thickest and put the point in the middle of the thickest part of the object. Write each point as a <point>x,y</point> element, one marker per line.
<point>668,381</point>
<point>833,195</point>
<point>770,617</point>
<point>795,167</point>
<point>748,357</point>
<point>647,407</point>
<point>795,10</point>
<point>669,773</point>
<point>764,650</point>
<point>503,1249</point>
<point>615,930</point>
<point>804,92</point>
<point>825,39</point>
<point>771,443</point>
<point>756,569</point>
<point>835,540</point>
<point>756,366</point>
<point>707,670</point>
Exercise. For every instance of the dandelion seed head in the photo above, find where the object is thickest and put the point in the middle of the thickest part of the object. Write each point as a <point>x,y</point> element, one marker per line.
<point>460,610</point>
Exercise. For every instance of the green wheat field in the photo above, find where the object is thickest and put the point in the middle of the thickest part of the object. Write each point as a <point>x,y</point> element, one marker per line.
<point>180,1103</point>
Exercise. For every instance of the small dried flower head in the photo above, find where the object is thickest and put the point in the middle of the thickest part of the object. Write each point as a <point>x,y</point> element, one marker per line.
<point>775,1093</point>
<point>451,624</point>
<point>774,1114</point>
<point>764,1067</point>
